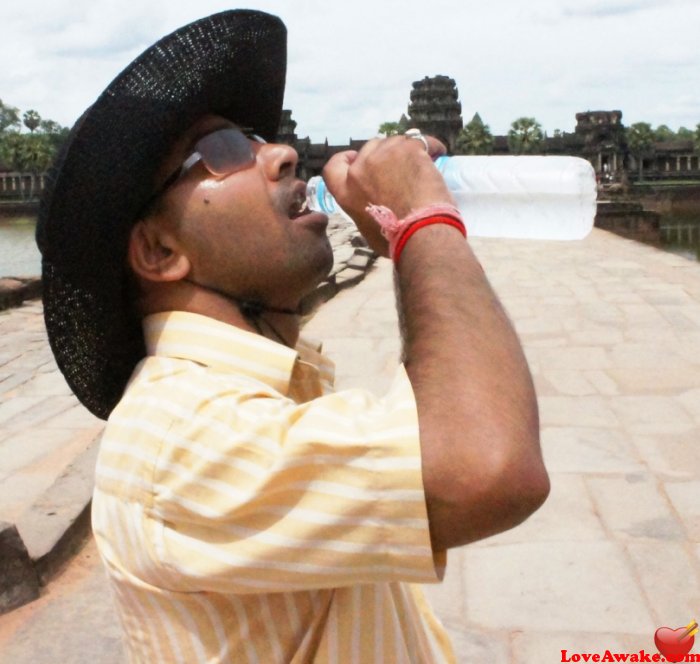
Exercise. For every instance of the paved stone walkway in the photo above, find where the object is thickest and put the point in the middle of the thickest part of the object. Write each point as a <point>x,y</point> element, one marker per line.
<point>612,332</point>
<point>611,329</point>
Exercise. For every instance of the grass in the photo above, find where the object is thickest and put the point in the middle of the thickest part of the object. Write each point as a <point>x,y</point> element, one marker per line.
<point>666,183</point>
<point>22,220</point>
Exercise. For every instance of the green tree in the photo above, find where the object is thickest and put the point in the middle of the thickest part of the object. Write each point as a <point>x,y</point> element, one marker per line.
<point>664,133</point>
<point>389,128</point>
<point>31,120</point>
<point>27,153</point>
<point>696,137</point>
<point>475,138</point>
<point>640,141</point>
<point>55,133</point>
<point>685,133</point>
<point>9,117</point>
<point>394,128</point>
<point>525,136</point>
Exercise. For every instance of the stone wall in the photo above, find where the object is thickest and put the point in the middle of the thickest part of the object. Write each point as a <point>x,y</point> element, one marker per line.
<point>10,209</point>
<point>630,220</point>
<point>15,290</point>
<point>680,200</point>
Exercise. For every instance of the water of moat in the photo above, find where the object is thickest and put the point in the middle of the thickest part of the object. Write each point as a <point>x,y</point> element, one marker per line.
<point>19,256</point>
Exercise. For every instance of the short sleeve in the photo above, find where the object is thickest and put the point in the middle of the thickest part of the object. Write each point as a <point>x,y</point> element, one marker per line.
<point>256,493</point>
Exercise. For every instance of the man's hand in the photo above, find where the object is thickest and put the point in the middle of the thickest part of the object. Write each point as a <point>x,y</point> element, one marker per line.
<point>396,172</point>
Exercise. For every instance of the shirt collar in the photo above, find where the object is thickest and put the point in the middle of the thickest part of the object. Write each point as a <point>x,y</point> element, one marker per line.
<point>224,347</point>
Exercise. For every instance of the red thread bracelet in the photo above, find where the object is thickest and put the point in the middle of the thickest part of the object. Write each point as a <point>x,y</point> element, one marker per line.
<point>398,231</point>
<point>437,219</point>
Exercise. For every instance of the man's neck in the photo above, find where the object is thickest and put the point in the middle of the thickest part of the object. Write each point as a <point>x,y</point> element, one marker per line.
<point>279,327</point>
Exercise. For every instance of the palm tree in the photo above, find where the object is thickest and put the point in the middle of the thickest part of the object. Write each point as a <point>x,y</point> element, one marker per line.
<point>525,136</point>
<point>31,120</point>
<point>640,141</point>
<point>475,138</point>
<point>38,155</point>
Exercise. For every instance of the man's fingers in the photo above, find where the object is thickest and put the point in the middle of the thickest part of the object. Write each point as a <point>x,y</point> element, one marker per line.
<point>436,148</point>
<point>396,172</point>
<point>335,172</point>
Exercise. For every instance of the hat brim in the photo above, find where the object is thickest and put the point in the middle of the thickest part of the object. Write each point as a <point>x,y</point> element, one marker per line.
<point>231,64</point>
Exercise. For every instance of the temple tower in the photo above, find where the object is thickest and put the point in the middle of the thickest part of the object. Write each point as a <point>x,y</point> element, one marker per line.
<point>287,129</point>
<point>435,108</point>
<point>602,136</point>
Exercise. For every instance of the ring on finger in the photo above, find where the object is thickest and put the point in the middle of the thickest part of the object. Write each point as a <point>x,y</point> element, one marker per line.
<point>416,133</point>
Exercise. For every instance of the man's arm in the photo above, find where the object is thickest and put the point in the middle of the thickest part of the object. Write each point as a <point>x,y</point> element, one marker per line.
<point>477,411</point>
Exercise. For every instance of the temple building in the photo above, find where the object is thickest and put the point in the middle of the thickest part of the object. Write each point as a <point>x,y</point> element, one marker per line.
<point>435,109</point>
<point>599,137</point>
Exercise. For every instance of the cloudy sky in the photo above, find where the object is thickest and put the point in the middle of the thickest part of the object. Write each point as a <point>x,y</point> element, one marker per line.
<point>352,62</point>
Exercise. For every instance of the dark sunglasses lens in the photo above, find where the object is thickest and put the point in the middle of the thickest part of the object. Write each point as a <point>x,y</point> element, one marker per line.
<point>226,151</point>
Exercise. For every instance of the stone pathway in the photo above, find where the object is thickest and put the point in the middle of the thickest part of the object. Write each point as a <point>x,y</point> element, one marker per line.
<point>611,329</point>
<point>612,332</point>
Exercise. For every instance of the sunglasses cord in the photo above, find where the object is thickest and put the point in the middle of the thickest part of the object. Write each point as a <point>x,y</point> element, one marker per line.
<point>253,310</point>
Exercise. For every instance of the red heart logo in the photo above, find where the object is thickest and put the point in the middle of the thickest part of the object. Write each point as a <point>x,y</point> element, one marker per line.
<point>674,644</point>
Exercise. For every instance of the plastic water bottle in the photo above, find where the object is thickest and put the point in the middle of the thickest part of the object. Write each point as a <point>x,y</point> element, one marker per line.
<point>526,197</point>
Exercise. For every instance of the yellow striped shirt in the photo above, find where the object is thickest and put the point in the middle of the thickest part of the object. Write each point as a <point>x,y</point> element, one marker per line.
<point>246,513</point>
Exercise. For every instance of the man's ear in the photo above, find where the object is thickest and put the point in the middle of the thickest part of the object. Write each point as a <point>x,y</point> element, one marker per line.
<point>155,254</point>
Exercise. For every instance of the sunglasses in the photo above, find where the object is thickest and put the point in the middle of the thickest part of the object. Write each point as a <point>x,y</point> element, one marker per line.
<point>222,152</point>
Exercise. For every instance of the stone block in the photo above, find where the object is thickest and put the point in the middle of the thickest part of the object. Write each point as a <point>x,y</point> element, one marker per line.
<point>348,277</point>
<point>11,293</point>
<point>18,580</point>
<point>342,254</point>
<point>653,380</point>
<point>476,646</point>
<point>589,411</point>
<point>15,291</point>
<point>57,523</point>
<point>632,507</point>
<point>550,586</point>
<point>359,262</point>
<point>603,382</point>
<point>691,400</point>
<point>684,497</point>
<point>574,357</point>
<point>538,326</point>
<point>671,456</point>
<point>651,415</point>
<point>17,407</point>
<point>530,647</point>
<point>47,384</point>
<point>42,408</point>
<point>668,578</point>
<point>568,382</point>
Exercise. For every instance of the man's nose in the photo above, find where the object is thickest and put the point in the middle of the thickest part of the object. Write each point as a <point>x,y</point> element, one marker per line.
<point>278,160</point>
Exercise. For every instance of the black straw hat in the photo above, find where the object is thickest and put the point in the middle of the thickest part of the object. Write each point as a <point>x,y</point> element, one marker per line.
<point>232,64</point>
